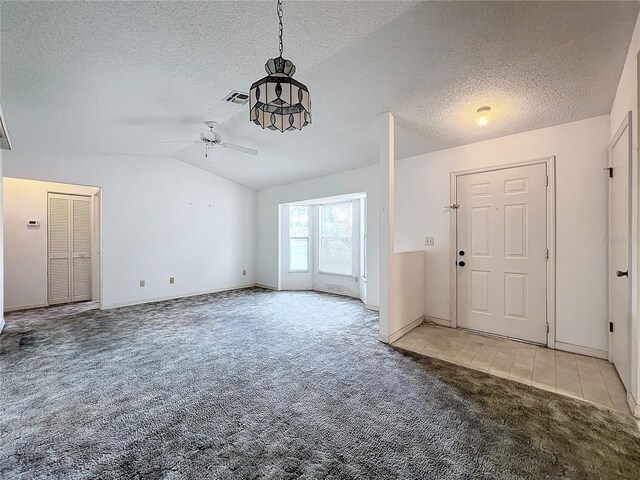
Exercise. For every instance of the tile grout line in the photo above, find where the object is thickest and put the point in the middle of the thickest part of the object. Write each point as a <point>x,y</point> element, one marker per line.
<point>606,389</point>
<point>606,386</point>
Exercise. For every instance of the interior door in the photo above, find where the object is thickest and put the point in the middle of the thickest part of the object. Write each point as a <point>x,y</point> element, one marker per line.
<point>59,257</point>
<point>80,249</point>
<point>620,252</point>
<point>502,252</point>
<point>69,245</point>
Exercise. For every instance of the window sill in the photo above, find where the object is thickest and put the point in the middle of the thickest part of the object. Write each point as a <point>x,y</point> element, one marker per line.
<point>349,275</point>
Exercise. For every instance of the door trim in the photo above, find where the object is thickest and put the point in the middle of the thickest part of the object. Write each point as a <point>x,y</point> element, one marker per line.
<point>550,163</point>
<point>625,125</point>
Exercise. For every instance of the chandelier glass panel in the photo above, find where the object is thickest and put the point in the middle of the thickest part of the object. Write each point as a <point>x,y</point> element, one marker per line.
<point>277,101</point>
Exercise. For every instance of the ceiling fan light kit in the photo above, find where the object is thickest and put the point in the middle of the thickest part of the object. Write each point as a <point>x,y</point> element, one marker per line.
<point>277,101</point>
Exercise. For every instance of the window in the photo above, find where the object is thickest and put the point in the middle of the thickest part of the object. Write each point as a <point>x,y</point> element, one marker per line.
<point>298,238</point>
<point>336,226</point>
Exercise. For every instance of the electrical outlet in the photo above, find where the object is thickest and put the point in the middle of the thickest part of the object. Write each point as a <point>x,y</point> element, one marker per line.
<point>142,283</point>
<point>244,272</point>
<point>429,241</point>
<point>172,280</point>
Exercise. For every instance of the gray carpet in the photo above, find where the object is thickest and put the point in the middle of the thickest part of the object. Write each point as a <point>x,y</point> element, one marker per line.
<point>259,384</point>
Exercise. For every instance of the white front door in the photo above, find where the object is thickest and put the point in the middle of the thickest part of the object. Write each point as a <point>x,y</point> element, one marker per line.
<point>619,254</point>
<point>501,246</point>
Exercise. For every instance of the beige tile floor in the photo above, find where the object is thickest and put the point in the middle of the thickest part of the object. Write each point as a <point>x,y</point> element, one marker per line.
<point>578,376</point>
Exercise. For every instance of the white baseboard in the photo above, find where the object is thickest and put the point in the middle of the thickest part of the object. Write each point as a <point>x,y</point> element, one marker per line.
<point>1,324</point>
<point>437,321</point>
<point>372,307</point>
<point>25,307</point>
<point>403,331</point>
<point>333,292</point>
<point>162,299</point>
<point>266,287</point>
<point>591,352</point>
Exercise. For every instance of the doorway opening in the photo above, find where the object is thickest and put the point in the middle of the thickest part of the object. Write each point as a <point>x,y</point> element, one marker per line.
<point>323,245</point>
<point>503,251</point>
<point>52,243</point>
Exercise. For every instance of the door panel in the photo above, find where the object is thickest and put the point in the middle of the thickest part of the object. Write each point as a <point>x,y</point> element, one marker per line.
<point>480,282</point>
<point>59,249</point>
<point>502,230</point>
<point>619,256</point>
<point>481,231</point>
<point>81,249</point>
<point>515,231</point>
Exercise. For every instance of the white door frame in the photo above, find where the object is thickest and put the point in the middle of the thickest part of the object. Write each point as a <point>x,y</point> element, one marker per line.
<point>550,163</point>
<point>96,242</point>
<point>625,125</point>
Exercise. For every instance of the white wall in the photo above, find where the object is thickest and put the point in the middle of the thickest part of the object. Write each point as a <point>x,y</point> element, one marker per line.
<point>422,190</point>
<point>353,181</point>
<point>1,248</point>
<point>406,293</point>
<point>626,100</point>
<point>25,248</point>
<point>160,217</point>
<point>402,275</point>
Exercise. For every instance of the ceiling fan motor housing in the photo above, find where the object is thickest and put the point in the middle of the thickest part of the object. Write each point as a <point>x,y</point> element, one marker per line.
<point>210,137</point>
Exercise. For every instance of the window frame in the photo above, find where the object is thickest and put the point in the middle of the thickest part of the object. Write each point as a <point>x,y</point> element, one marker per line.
<point>307,238</point>
<point>320,207</point>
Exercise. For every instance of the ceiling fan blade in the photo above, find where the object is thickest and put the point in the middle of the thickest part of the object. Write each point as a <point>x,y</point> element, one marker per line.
<point>240,148</point>
<point>183,141</point>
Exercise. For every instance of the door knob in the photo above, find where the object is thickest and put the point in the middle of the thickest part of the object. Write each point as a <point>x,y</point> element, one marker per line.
<point>461,263</point>
<point>620,273</point>
<point>461,253</point>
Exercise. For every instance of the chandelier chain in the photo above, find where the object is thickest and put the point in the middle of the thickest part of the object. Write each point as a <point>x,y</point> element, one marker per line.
<point>280,24</point>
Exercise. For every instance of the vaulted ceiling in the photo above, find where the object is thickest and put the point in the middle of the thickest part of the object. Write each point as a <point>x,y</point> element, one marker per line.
<point>122,77</point>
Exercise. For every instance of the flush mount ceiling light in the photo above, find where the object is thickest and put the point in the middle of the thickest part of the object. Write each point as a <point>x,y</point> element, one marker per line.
<point>277,101</point>
<point>483,115</point>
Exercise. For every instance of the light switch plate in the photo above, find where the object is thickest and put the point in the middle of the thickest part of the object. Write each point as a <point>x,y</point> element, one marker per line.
<point>429,241</point>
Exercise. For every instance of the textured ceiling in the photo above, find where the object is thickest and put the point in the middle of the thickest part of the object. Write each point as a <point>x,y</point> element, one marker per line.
<point>121,77</point>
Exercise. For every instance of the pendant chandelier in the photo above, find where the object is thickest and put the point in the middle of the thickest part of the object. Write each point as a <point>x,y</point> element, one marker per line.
<point>277,101</point>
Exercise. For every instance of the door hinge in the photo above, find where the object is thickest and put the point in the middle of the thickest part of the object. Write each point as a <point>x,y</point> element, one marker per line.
<point>611,327</point>
<point>609,170</point>
<point>547,328</point>
<point>546,180</point>
<point>547,254</point>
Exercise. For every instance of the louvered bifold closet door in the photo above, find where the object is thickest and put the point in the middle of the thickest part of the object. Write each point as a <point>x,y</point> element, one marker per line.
<point>81,249</point>
<point>59,249</point>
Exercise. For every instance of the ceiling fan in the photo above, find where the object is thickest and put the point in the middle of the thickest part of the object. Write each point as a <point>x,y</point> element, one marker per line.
<point>210,139</point>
